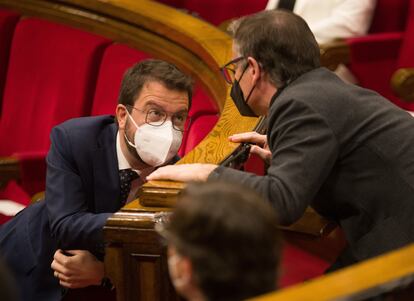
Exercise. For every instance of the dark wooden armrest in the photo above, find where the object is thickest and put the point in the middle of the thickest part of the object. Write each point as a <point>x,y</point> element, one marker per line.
<point>9,170</point>
<point>402,83</point>
<point>334,53</point>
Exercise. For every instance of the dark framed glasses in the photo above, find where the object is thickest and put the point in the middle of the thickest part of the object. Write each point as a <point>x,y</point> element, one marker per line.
<point>229,70</point>
<point>157,117</point>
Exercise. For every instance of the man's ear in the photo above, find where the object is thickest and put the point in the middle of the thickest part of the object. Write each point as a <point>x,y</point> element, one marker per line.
<point>121,116</point>
<point>187,269</point>
<point>256,71</point>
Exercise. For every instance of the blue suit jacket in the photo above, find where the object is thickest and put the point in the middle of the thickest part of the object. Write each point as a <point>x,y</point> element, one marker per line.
<point>82,191</point>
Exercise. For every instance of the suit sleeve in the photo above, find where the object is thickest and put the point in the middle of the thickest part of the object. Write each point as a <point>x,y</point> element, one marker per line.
<point>66,200</point>
<point>304,149</point>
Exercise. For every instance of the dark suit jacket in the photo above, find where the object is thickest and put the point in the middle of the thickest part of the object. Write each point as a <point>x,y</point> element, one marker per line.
<point>82,191</point>
<point>346,151</point>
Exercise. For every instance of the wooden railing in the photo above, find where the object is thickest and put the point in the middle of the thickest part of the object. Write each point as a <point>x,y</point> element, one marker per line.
<point>390,276</point>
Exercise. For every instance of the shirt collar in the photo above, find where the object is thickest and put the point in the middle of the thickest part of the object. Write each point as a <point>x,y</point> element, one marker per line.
<point>122,161</point>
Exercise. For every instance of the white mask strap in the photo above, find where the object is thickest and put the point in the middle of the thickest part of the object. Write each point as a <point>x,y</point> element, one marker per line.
<point>133,121</point>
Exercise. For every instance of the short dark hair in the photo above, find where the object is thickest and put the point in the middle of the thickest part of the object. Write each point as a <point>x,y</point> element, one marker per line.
<point>153,70</point>
<point>231,237</point>
<point>280,41</point>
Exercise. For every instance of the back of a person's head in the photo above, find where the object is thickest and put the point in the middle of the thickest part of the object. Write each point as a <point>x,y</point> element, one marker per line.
<point>280,41</point>
<point>231,237</point>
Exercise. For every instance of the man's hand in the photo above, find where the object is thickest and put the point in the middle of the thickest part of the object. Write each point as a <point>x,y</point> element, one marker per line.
<point>183,172</point>
<point>79,269</point>
<point>260,148</point>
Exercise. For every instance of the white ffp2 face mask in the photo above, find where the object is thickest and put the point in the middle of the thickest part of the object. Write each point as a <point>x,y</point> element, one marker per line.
<point>156,144</point>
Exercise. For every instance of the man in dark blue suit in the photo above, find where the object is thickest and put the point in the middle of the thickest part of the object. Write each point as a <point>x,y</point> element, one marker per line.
<point>94,166</point>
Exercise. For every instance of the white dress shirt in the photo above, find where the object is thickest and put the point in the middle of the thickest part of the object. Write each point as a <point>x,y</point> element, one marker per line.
<point>333,19</point>
<point>124,164</point>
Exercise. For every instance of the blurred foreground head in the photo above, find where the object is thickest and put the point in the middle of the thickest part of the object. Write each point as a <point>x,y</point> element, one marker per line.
<point>223,243</point>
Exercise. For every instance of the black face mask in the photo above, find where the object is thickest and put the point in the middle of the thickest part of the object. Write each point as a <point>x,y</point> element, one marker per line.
<point>238,98</point>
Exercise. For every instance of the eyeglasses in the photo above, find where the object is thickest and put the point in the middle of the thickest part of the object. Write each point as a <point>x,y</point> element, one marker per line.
<point>157,117</point>
<point>229,70</point>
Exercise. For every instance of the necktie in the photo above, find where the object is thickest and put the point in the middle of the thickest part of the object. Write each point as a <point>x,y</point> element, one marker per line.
<point>126,176</point>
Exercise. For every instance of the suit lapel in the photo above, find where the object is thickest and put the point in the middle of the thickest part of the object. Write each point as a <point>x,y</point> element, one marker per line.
<point>106,176</point>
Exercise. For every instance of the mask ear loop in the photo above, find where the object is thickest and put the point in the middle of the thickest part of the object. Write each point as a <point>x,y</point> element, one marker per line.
<point>126,137</point>
<point>251,91</point>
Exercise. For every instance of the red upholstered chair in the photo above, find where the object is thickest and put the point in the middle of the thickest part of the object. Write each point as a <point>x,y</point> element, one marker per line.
<point>51,77</point>
<point>204,115</point>
<point>389,16</point>
<point>403,77</point>
<point>8,21</point>
<point>116,60</point>
<point>374,58</point>
<point>218,11</point>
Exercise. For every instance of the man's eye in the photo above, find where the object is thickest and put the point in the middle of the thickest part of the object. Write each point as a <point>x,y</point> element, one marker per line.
<point>180,118</point>
<point>155,113</point>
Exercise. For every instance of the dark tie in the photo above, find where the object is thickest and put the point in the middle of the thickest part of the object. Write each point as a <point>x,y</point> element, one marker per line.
<point>126,176</point>
<point>286,4</point>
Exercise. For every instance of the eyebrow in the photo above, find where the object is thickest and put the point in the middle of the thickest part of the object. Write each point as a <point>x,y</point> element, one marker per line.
<point>151,103</point>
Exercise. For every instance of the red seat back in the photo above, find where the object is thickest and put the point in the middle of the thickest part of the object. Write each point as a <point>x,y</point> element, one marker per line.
<point>116,60</point>
<point>375,57</point>
<point>406,58</point>
<point>390,15</point>
<point>51,78</point>
<point>218,11</point>
<point>8,21</point>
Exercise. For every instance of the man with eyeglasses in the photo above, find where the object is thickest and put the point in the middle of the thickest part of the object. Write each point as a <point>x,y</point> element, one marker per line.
<point>344,150</point>
<point>95,165</point>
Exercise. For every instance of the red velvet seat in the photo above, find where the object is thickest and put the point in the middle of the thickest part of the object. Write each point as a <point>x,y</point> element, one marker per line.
<point>218,11</point>
<point>51,77</point>
<point>204,115</point>
<point>376,56</point>
<point>8,21</point>
<point>116,60</point>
